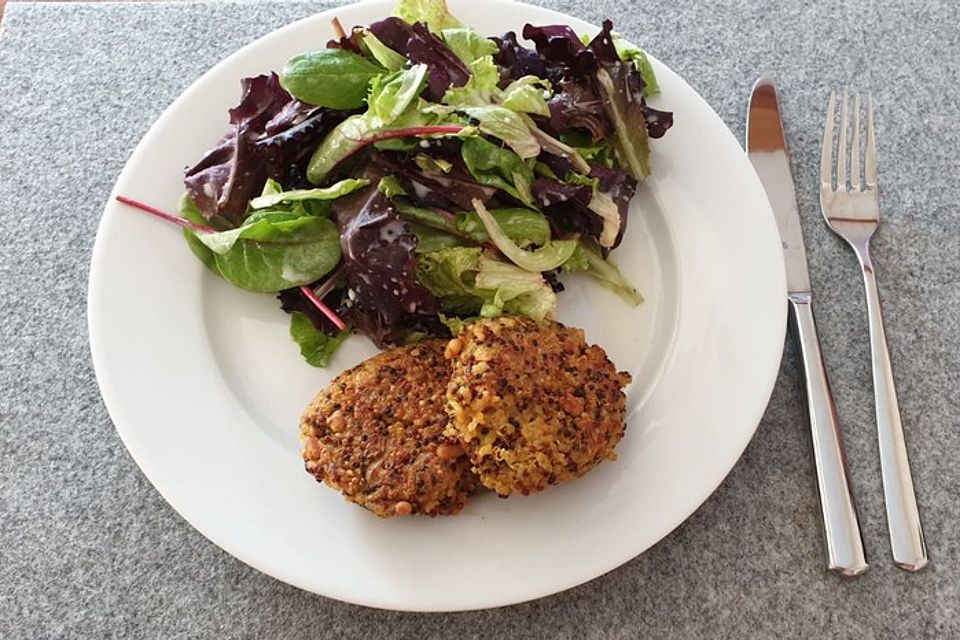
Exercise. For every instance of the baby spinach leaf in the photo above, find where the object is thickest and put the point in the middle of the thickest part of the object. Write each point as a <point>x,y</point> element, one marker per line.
<point>523,226</point>
<point>430,239</point>
<point>316,347</point>
<point>344,140</point>
<point>358,131</point>
<point>428,217</point>
<point>189,210</point>
<point>334,78</point>
<point>273,251</point>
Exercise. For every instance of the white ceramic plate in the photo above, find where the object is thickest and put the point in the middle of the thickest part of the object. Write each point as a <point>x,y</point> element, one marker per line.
<point>205,386</point>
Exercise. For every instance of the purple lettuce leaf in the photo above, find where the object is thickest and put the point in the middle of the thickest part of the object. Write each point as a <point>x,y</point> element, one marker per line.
<point>599,92</point>
<point>515,60</point>
<point>562,51</point>
<point>271,136</point>
<point>293,300</point>
<point>384,300</point>
<point>419,45</point>
<point>455,189</point>
<point>576,104</point>
<point>630,86</point>
<point>291,136</point>
<point>231,173</point>
<point>619,186</point>
<point>567,207</point>
<point>657,121</point>
<point>352,42</point>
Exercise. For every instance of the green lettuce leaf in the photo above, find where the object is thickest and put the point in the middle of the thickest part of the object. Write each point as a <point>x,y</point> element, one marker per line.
<point>468,281</point>
<point>433,12</point>
<point>392,94</point>
<point>428,217</point>
<point>480,89</point>
<point>577,260</point>
<point>606,272</point>
<point>429,164</point>
<point>508,126</point>
<point>457,324</point>
<point>547,257</point>
<point>272,197</point>
<point>600,152</point>
<point>387,57</point>
<point>527,95</point>
<point>449,275</point>
<point>630,52</point>
<point>316,347</point>
<point>390,187</point>
<point>509,289</point>
<point>468,44</point>
<point>495,166</point>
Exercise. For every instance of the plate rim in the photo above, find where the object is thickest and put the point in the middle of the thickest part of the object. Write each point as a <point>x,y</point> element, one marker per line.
<point>114,408</point>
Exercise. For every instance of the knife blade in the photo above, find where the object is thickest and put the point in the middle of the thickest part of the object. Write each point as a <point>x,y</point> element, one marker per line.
<point>767,150</point>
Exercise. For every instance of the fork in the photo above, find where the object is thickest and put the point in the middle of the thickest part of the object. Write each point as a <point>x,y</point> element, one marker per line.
<point>853,212</point>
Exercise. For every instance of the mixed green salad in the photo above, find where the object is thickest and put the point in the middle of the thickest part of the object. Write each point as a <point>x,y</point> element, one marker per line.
<point>415,175</point>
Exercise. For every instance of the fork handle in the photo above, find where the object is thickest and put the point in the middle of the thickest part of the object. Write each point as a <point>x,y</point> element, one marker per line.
<point>903,517</point>
<point>841,527</point>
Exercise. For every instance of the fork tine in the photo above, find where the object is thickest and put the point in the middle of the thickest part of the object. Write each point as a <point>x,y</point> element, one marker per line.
<point>870,162</point>
<point>826,151</point>
<point>842,147</point>
<point>855,148</point>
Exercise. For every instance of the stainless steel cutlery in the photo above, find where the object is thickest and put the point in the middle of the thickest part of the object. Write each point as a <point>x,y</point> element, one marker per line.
<point>850,205</point>
<point>767,150</point>
<point>852,210</point>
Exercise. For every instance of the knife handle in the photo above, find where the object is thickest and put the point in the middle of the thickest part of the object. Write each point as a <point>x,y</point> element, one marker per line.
<point>841,528</point>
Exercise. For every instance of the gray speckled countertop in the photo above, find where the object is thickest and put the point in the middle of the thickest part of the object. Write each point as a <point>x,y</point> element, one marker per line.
<point>89,549</point>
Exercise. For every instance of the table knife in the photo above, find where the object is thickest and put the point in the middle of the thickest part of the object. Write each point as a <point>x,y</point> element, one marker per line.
<point>767,150</point>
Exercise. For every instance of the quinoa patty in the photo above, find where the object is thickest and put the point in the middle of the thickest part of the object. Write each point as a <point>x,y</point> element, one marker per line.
<point>377,434</point>
<point>533,404</point>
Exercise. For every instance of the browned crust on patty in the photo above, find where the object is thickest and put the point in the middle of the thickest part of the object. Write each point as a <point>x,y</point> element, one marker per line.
<point>533,404</point>
<point>377,435</point>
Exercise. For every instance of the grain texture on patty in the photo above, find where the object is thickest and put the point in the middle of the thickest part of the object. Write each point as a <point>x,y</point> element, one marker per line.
<point>533,404</point>
<point>377,434</point>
